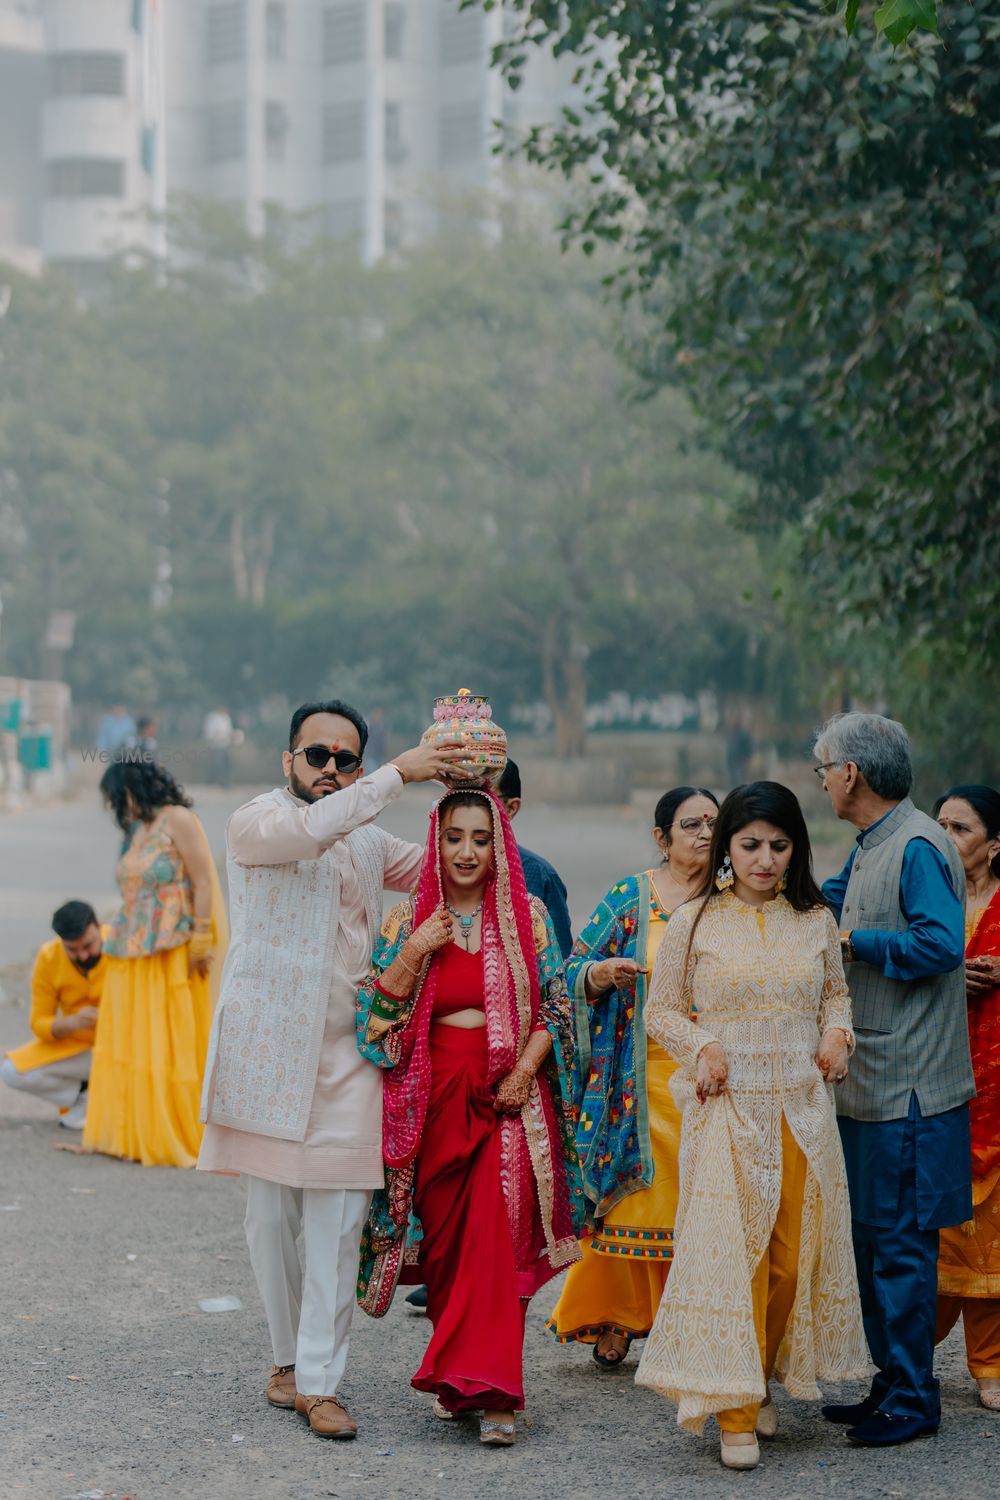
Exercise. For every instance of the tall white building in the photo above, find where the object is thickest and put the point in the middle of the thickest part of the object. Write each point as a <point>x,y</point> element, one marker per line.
<point>359,114</point>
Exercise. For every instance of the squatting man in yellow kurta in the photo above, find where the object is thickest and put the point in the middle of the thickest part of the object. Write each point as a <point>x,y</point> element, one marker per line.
<point>66,985</point>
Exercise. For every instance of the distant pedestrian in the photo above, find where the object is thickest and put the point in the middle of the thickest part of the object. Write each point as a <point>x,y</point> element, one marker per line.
<point>220,734</point>
<point>115,731</point>
<point>628,1127</point>
<point>969,1259</point>
<point>739,749</point>
<point>152,1030</point>
<point>146,740</point>
<point>378,732</point>
<point>67,982</point>
<point>904,1112</point>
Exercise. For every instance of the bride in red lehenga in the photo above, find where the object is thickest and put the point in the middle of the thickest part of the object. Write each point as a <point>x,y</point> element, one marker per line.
<point>467,1008</point>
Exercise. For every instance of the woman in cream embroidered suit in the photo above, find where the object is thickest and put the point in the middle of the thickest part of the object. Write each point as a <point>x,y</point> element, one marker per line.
<point>763,1279</point>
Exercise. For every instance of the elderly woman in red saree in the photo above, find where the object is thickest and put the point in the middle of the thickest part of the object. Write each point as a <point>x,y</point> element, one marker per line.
<point>467,1010</point>
<point>969,1255</point>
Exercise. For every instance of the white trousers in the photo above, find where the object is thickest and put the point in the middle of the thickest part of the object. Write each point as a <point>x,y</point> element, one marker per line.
<point>308,1317</point>
<point>58,1082</point>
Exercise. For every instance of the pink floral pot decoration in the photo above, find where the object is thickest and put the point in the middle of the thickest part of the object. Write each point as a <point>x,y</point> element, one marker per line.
<point>468,717</point>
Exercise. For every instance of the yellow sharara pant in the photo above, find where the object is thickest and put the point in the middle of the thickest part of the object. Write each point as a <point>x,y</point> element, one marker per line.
<point>618,1285</point>
<point>981,1317</point>
<point>775,1279</point>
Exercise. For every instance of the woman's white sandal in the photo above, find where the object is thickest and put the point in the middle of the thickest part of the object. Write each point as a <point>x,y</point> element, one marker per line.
<point>739,1455</point>
<point>766,1425</point>
<point>496,1434</point>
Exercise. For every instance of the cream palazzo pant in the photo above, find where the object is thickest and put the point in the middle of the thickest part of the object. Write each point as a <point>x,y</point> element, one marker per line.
<point>309,1318</point>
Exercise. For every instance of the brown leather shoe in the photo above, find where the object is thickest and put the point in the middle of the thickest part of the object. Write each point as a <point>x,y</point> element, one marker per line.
<point>326,1416</point>
<point>281,1387</point>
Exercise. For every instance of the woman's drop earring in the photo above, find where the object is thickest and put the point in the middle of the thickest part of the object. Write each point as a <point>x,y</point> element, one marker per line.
<point>780,885</point>
<point>724,876</point>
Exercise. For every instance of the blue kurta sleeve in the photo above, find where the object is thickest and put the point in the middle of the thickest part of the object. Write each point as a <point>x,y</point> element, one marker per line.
<point>934,943</point>
<point>542,880</point>
<point>558,910</point>
<point>835,889</point>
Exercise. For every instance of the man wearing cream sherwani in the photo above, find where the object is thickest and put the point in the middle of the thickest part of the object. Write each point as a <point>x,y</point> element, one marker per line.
<point>289,1102</point>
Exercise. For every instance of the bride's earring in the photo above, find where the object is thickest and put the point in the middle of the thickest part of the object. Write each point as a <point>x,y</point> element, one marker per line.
<point>724,876</point>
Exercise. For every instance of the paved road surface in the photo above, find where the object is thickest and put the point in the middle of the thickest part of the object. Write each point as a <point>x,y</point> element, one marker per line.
<point>114,1383</point>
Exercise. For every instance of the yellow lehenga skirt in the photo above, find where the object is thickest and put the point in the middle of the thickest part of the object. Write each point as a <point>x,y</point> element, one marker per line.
<point>618,1285</point>
<point>144,1095</point>
<point>149,1057</point>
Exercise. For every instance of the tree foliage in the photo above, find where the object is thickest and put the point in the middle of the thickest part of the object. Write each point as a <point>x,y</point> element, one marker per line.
<point>814,226</point>
<point>375,475</point>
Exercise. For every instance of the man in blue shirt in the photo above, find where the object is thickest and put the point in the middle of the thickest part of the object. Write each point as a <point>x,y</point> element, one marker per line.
<point>541,878</point>
<point>903,1111</point>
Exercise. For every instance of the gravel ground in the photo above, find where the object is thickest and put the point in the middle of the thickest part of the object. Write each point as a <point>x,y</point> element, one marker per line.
<point>115,1384</point>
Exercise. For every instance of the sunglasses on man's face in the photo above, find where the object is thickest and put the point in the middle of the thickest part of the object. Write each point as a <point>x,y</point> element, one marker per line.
<point>320,756</point>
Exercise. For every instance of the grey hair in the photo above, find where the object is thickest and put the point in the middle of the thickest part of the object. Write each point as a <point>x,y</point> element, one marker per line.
<point>879,747</point>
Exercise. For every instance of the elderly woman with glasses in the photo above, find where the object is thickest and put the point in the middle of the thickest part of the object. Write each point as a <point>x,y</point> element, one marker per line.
<point>628,1127</point>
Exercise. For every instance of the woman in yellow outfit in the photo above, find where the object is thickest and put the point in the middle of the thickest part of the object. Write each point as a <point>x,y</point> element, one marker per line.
<point>164,948</point>
<point>763,1281</point>
<point>628,1127</point>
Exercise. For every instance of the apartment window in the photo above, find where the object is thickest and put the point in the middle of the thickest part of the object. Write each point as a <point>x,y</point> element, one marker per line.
<point>344,33</point>
<point>394,22</point>
<point>226,32</point>
<point>276,30</point>
<point>275,129</point>
<point>344,132</point>
<point>72,74</point>
<point>392,214</point>
<point>345,219</point>
<point>460,35</point>
<point>395,151</point>
<point>85,177</point>
<point>224,133</point>
<point>460,134</point>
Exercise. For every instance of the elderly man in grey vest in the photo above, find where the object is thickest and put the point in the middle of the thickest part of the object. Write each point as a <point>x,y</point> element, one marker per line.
<point>290,1103</point>
<point>904,1111</point>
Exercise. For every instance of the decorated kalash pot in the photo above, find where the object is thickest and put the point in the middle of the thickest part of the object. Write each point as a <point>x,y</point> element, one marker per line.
<point>468,717</point>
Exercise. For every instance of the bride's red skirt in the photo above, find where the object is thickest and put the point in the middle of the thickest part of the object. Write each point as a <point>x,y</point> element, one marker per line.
<point>467,1257</point>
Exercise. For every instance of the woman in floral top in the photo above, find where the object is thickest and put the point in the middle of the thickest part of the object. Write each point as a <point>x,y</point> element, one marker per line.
<point>166,942</point>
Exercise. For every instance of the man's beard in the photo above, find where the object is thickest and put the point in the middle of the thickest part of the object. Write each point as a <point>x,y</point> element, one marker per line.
<point>86,964</point>
<point>307,793</point>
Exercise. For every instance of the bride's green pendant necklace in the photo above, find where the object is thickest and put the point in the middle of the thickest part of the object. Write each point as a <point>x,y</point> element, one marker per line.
<point>465,923</point>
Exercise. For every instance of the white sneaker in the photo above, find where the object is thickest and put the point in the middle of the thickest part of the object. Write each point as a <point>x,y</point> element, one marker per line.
<point>76,1116</point>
